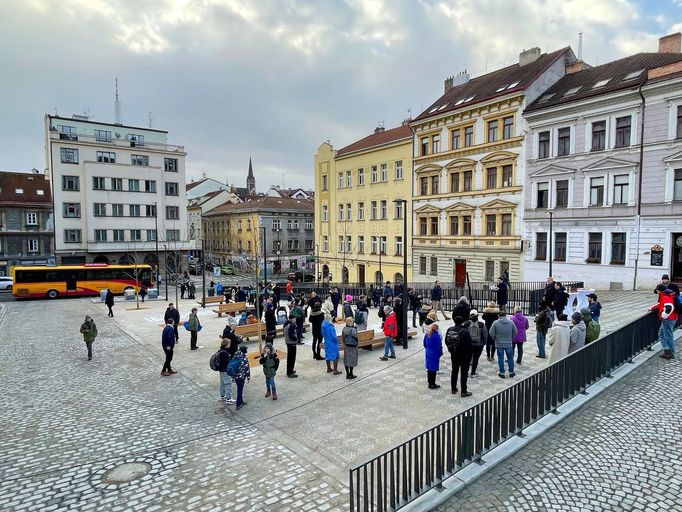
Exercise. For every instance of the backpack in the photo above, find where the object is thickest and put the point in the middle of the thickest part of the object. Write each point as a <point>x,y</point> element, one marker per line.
<point>475,332</point>
<point>233,367</point>
<point>547,321</point>
<point>452,339</point>
<point>213,362</point>
<point>292,333</point>
<point>359,317</point>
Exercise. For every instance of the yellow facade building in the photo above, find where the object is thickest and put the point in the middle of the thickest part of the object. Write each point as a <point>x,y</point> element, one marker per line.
<point>358,227</point>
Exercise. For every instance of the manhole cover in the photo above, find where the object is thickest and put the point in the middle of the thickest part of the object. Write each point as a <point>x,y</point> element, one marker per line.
<point>126,472</point>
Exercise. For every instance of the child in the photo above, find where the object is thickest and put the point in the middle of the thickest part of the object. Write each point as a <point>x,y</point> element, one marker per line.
<point>270,363</point>
<point>521,322</point>
<point>595,307</point>
<point>242,373</point>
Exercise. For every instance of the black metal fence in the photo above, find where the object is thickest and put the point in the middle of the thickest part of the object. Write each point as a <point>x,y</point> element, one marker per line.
<point>525,294</point>
<point>398,476</point>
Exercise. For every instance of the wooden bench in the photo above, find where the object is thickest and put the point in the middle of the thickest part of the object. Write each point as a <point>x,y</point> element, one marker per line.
<point>251,330</point>
<point>230,307</point>
<point>218,299</point>
<point>367,339</point>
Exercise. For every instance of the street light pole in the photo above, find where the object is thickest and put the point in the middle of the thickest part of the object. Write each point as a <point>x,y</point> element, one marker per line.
<point>265,258</point>
<point>549,242</point>
<point>156,241</point>
<point>317,264</point>
<point>203,264</point>
<point>405,299</point>
<point>166,267</point>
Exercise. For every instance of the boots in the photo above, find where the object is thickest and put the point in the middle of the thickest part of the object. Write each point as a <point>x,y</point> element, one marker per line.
<point>665,354</point>
<point>267,393</point>
<point>274,396</point>
<point>351,376</point>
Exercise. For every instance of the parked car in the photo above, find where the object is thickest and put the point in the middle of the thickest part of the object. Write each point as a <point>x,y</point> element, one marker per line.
<point>300,277</point>
<point>6,283</point>
<point>227,270</point>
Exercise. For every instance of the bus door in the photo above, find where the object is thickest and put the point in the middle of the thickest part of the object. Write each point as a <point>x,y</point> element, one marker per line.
<point>71,282</point>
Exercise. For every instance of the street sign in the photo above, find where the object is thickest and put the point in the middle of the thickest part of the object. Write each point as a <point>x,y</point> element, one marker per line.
<point>216,271</point>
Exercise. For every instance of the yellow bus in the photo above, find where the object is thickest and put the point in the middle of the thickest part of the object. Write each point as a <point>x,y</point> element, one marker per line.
<point>78,280</point>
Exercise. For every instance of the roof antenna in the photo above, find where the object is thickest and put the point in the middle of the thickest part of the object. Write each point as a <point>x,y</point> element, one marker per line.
<point>150,119</point>
<point>117,106</point>
<point>580,46</point>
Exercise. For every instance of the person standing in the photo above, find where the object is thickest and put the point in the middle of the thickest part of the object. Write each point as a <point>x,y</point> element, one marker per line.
<point>560,299</point>
<point>668,317</point>
<point>462,308</point>
<point>550,291</point>
<point>578,333</point>
<point>433,351</point>
<point>458,343</point>
<point>348,307</point>
<point>109,301</point>
<point>503,331</point>
<point>543,322</point>
<point>233,339</point>
<point>313,300</point>
<point>276,294</point>
<point>240,295</point>
<point>143,292</point>
<point>192,290</point>
<point>225,385</point>
<point>479,339</point>
<point>242,374</point>
<point>349,335</point>
<point>376,297</point>
<point>291,340</point>
<point>270,363</point>
<point>168,343</point>
<point>502,293</point>
<point>558,337</point>
<point>595,307</point>
<point>490,314</point>
<point>299,319</point>
<point>316,318</point>
<point>415,304</point>
<point>436,298</point>
<point>89,332</point>
<point>388,291</point>
<point>183,287</point>
<point>399,311</point>
<point>335,297</point>
<point>521,322</point>
<point>592,328</point>
<point>331,345</point>
<point>194,327</point>
<point>270,323</point>
<point>174,315</point>
<point>390,331</point>
<point>361,315</point>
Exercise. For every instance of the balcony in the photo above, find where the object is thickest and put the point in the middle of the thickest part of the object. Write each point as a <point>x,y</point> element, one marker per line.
<point>114,142</point>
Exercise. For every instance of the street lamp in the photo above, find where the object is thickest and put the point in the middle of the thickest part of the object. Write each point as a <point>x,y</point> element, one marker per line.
<point>405,301</point>
<point>549,242</point>
<point>156,241</point>
<point>166,267</point>
<point>265,257</point>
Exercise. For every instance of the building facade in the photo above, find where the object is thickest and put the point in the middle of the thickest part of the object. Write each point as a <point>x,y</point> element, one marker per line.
<point>26,224</point>
<point>118,192</point>
<point>359,228</point>
<point>238,232</point>
<point>615,203</point>
<point>196,207</point>
<point>469,171</point>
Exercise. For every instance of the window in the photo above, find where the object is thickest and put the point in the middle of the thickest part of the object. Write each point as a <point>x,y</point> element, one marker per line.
<point>135,140</point>
<point>399,246</point>
<point>277,224</point>
<point>454,226</point>
<point>398,210</point>
<point>541,246</point>
<point>424,186</point>
<point>492,130</point>
<point>361,244</point>
<point>564,147</point>
<point>424,146</point>
<point>309,245</point>
<point>325,213</point>
<point>324,183</point>
<point>435,143</point>
<point>18,190</point>
<point>118,235</point>
<point>468,180</point>
<point>491,225</point>
<point>72,236</point>
<point>173,235</point>
<point>98,183</point>
<point>349,211</point>
<point>422,265</point>
<point>454,182</point>
<point>562,194</point>
<point>373,210</point>
<point>597,192</point>
<point>434,225</point>
<point>142,160</point>
<point>677,185</point>
<point>40,192</point>
<point>423,230</point>
<point>543,195</point>
<point>623,131</point>
<point>435,185</point>
<point>468,136</point>
<point>361,176</point>
<point>491,177</point>
<point>375,174</point>
<point>560,247</point>
<point>594,248</point>
<point>621,189</point>
<point>172,212</point>
<point>116,183</point>
<point>135,235</point>
<point>384,213</point>
<point>361,211</point>
<point>67,132</point>
<point>618,242</point>
<point>69,156</point>
<point>679,122</point>
<point>134,210</point>
<point>543,144</point>
<point>308,226</point>
<point>466,225</point>
<point>375,245</point>
<point>102,136</point>
<point>325,243</point>
<point>506,224</point>
<point>100,235</point>
<point>33,245</point>
<point>342,246</point>
<point>399,170</point>
<point>72,210</point>
<point>151,235</point>
<point>70,183</point>
<point>150,186</point>
<point>171,188</point>
<point>456,139</point>
<point>100,209</point>
<point>150,210</point>
<point>117,210</point>
<point>507,176</point>
<point>170,164</point>
<point>31,219</point>
<point>340,180</point>
<point>349,178</point>
<point>349,244</point>
<point>489,270</point>
<point>384,172</point>
<point>434,266</point>
<point>106,157</point>
<point>340,212</point>
<point>598,136</point>
<point>508,131</point>
<point>133,185</point>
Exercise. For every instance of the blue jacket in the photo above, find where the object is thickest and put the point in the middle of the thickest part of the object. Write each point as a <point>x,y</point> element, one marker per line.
<point>595,309</point>
<point>388,291</point>
<point>436,293</point>
<point>168,337</point>
<point>433,350</point>
<point>331,341</point>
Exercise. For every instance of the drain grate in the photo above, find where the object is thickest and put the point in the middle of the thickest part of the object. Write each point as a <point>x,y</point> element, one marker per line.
<point>126,472</point>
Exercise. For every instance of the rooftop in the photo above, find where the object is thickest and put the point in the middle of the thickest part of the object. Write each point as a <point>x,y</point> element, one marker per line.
<point>26,188</point>
<point>81,119</point>
<point>264,203</point>
<point>380,137</point>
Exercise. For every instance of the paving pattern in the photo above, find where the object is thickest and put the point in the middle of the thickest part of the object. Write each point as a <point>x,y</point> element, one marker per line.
<point>621,452</point>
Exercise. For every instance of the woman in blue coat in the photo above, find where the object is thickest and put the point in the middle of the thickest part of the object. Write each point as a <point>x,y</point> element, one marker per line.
<point>331,345</point>
<point>433,345</point>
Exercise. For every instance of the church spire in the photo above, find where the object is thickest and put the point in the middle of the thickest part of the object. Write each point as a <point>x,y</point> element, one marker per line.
<point>251,179</point>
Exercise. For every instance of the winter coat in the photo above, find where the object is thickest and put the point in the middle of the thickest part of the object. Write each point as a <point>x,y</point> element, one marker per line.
<point>592,328</point>
<point>335,298</point>
<point>464,347</point>
<point>270,364</point>
<point>109,299</point>
<point>328,307</point>
<point>89,331</point>
<point>461,310</point>
<point>331,341</point>
<point>347,310</point>
<point>234,340</point>
<point>577,337</point>
<point>316,318</point>
<point>489,316</point>
<point>168,337</point>
<point>388,291</point>
<point>549,294</point>
<point>665,297</point>
<point>270,320</point>
<point>347,333</point>
<point>224,358</point>
<point>558,337</point>
<point>503,331</point>
<point>173,314</point>
<point>433,346</point>
<point>244,371</point>
<point>560,299</point>
<point>436,293</point>
<point>540,320</point>
<point>502,294</point>
<point>194,323</point>
<point>240,296</point>
<point>521,322</point>
<point>595,309</point>
<point>290,337</point>
<point>391,326</point>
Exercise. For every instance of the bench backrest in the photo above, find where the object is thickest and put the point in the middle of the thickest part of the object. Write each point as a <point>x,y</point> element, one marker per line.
<point>232,306</point>
<point>362,336</point>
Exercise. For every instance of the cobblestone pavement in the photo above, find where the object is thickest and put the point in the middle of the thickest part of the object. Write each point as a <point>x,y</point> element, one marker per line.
<point>621,452</point>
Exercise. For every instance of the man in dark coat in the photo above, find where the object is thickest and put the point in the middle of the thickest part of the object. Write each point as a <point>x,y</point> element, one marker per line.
<point>399,310</point>
<point>460,356</point>
<point>168,343</point>
<point>502,292</point>
<point>174,315</point>
<point>462,308</point>
<point>560,299</point>
<point>415,300</point>
<point>550,291</point>
<point>270,323</point>
<point>229,334</point>
<point>336,298</point>
<point>109,301</point>
<point>240,295</point>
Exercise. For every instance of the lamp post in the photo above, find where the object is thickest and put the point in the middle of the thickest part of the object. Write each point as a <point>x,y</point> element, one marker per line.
<point>156,241</point>
<point>265,257</point>
<point>203,264</point>
<point>549,242</point>
<point>405,301</point>
<point>317,269</point>
<point>166,267</point>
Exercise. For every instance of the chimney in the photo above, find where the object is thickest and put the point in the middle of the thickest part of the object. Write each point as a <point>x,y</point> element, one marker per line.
<point>670,44</point>
<point>576,66</point>
<point>448,84</point>
<point>461,78</point>
<point>528,56</point>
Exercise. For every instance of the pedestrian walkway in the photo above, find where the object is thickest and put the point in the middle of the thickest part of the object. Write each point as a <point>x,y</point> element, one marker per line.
<point>621,452</point>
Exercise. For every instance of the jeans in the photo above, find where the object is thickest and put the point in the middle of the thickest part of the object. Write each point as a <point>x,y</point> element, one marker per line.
<point>89,345</point>
<point>477,351</point>
<point>225,386</point>
<point>240,391</point>
<point>510,358</point>
<point>540,337</point>
<point>291,358</point>
<point>270,384</point>
<point>665,335</point>
<point>388,347</point>
<point>519,351</point>
<point>193,340</point>
<point>169,358</point>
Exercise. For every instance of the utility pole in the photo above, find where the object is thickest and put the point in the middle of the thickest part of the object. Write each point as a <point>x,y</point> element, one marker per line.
<point>156,242</point>
<point>405,300</point>
<point>166,267</point>
<point>549,242</point>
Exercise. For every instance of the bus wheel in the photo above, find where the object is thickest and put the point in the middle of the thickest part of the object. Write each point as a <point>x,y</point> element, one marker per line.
<point>52,294</point>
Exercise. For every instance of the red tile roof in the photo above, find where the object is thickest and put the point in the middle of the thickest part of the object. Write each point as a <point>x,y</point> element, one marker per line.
<point>193,184</point>
<point>377,139</point>
<point>264,203</point>
<point>30,183</point>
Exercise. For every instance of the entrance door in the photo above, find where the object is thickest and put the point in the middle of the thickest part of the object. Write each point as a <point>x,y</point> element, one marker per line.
<point>361,275</point>
<point>71,282</point>
<point>676,263</point>
<point>460,273</point>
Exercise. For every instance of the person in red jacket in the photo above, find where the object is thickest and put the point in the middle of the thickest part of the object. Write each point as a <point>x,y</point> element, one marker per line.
<point>668,317</point>
<point>391,332</point>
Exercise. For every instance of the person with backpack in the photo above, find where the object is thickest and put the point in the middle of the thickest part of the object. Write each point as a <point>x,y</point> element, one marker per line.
<point>167,343</point>
<point>543,322</point>
<point>291,341</point>
<point>490,314</point>
<point>433,351</point>
<point>299,319</point>
<point>349,335</point>
<point>194,327</point>
<point>503,332</point>
<point>592,327</point>
<point>391,332</point>
<point>360,316</point>
<point>479,339</point>
<point>348,307</point>
<point>270,363</point>
<point>458,343</point>
<point>668,315</point>
<point>89,332</point>
<point>240,371</point>
<point>331,345</point>
<point>521,322</point>
<point>219,362</point>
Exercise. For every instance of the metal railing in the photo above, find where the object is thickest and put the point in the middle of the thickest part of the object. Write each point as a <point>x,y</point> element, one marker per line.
<point>400,475</point>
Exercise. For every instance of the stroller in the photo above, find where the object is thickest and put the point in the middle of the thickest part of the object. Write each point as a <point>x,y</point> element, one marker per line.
<point>282,315</point>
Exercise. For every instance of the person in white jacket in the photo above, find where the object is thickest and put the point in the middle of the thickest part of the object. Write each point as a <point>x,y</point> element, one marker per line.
<point>558,337</point>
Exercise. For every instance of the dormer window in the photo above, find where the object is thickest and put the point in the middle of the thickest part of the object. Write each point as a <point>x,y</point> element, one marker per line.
<point>601,83</point>
<point>633,75</point>
<point>19,190</point>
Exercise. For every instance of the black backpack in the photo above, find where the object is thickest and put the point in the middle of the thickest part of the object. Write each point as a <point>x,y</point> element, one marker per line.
<point>213,362</point>
<point>452,339</point>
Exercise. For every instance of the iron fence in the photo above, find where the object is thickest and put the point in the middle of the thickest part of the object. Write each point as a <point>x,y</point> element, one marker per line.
<point>396,477</point>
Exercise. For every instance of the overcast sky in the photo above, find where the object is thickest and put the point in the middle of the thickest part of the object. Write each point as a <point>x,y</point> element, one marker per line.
<point>274,79</point>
